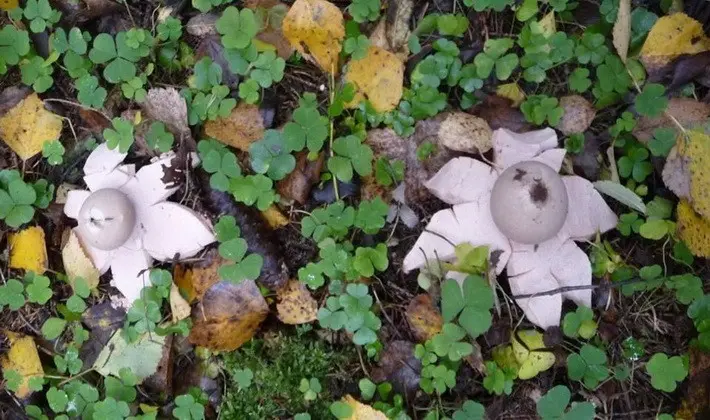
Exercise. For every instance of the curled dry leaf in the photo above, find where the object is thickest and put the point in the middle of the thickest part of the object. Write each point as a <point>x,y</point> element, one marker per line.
<point>578,116</point>
<point>274,218</point>
<point>296,305</point>
<point>687,111</point>
<point>424,319</point>
<point>179,307</point>
<point>500,112</point>
<point>77,263</point>
<point>693,229</point>
<point>297,185</point>
<point>228,316</point>
<point>315,29</point>
<point>202,25</point>
<point>670,37</point>
<point>166,105</point>
<point>363,411</point>
<point>392,31</point>
<point>28,125</point>
<point>240,129</point>
<point>378,78</point>
<point>141,357</point>
<point>28,250</point>
<point>23,359</point>
<point>622,29</point>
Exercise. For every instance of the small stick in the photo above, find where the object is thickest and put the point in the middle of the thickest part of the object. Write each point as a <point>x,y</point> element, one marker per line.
<point>574,288</point>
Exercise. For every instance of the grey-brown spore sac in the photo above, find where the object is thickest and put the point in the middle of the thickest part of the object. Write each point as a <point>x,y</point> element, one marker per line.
<point>529,202</point>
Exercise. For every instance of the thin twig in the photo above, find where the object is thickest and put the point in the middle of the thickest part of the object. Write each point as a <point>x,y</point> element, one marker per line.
<point>574,288</point>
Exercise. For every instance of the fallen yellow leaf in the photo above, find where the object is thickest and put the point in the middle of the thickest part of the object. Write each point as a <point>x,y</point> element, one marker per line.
<point>693,230</point>
<point>23,359</point>
<point>194,282</point>
<point>362,411</point>
<point>28,125</point>
<point>28,250</point>
<point>686,171</point>
<point>511,91</point>
<point>179,307</point>
<point>530,360</point>
<point>670,37</point>
<point>240,129</point>
<point>315,29</point>
<point>296,305</point>
<point>77,263</point>
<point>9,4</point>
<point>424,319</point>
<point>378,77</point>
<point>228,316</point>
<point>274,218</point>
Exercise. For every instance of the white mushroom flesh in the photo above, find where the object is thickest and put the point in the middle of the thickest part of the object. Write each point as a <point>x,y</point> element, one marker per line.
<point>106,219</point>
<point>529,202</point>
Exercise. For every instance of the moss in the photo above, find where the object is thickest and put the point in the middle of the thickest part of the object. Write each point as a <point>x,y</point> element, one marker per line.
<point>279,363</point>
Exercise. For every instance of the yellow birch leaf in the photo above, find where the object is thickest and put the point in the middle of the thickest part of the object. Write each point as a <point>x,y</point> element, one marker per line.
<point>296,305</point>
<point>362,411</point>
<point>530,360</point>
<point>670,37</point>
<point>622,29</point>
<point>240,129</point>
<point>511,91</point>
<point>315,29</point>
<point>77,263</point>
<point>686,171</point>
<point>274,218</point>
<point>28,125</point>
<point>23,359</point>
<point>9,4</point>
<point>378,77</point>
<point>693,230</point>
<point>28,250</point>
<point>179,307</point>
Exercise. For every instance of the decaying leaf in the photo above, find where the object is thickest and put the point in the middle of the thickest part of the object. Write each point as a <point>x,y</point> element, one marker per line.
<point>141,357</point>
<point>274,218</point>
<point>687,111</point>
<point>296,305</point>
<point>463,132</point>
<point>297,185</point>
<point>511,91</point>
<point>578,116</point>
<point>693,229</point>
<point>424,319</point>
<point>696,402</point>
<point>240,129</point>
<point>28,125</point>
<point>166,105</point>
<point>272,33</point>
<point>28,250</point>
<point>228,316</point>
<point>363,411</point>
<point>531,359</point>
<point>378,78</point>
<point>8,4</point>
<point>500,112</point>
<point>315,29</point>
<point>23,359</point>
<point>179,307</point>
<point>392,31</point>
<point>399,366</point>
<point>690,158</point>
<point>193,282</point>
<point>622,29</point>
<point>670,37</point>
<point>77,263</point>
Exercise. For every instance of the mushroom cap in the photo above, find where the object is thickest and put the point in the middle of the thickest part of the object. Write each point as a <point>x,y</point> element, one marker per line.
<point>106,219</point>
<point>529,202</point>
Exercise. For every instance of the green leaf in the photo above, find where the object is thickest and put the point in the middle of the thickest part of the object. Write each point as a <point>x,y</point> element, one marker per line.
<point>364,10</point>
<point>341,410</point>
<point>53,151</point>
<point>272,156</point>
<point>553,404</point>
<point>120,136</point>
<point>666,372</point>
<point>357,46</point>
<point>57,400</point>
<point>662,141</point>
<point>53,328</point>
<point>39,290</point>
<point>237,27</point>
<point>103,50</point>
<point>14,44</point>
<point>579,80</point>
<point>158,137</point>
<point>206,75</point>
<point>651,102</point>
<point>243,377</point>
